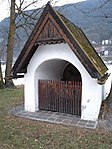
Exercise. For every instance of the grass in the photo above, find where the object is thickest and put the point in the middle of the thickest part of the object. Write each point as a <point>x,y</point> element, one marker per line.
<point>20,133</point>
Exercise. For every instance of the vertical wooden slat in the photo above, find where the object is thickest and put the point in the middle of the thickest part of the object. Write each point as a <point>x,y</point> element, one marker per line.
<point>66,98</point>
<point>70,96</point>
<point>60,96</point>
<point>48,95</point>
<point>56,97</point>
<point>53,101</point>
<point>80,96</point>
<point>51,106</point>
<point>61,99</point>
<point>73,98</point>
<point>57,89</point>
<point>46,101</point>
<point>52,97</point>
<point>44,93</point>
<point>39,90</point>
<point>77,97</point>
<point>78,101</point>
<point>41,95</point>
<point>63,96</point>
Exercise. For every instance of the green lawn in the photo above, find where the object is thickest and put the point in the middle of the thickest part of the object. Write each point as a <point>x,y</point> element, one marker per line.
<point>20,133</point>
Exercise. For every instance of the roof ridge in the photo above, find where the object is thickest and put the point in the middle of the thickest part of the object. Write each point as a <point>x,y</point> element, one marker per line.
<point>92,58</point>
<point>73,35</point>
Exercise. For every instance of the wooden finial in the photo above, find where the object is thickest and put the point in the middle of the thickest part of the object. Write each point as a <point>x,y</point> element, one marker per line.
<point>49,2</point>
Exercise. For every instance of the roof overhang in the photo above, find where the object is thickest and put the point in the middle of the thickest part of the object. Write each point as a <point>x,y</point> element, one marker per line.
<point>92,65</point>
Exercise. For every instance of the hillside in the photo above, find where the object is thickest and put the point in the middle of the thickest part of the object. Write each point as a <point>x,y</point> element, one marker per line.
<point>93,21</point>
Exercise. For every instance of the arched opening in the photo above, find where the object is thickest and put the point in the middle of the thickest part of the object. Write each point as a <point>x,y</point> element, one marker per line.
<point>51,69</point>
<point>71,73</point>
<point>59,87</point>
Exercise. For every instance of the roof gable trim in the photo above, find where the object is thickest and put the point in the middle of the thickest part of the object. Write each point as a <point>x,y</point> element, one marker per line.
<point>66,35</point>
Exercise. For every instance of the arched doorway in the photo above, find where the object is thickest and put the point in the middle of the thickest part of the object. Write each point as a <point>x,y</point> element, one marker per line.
<point>59,87</point>
<point>71,73</point>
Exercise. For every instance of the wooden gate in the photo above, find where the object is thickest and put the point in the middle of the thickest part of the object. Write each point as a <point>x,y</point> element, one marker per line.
<point>60,96</point>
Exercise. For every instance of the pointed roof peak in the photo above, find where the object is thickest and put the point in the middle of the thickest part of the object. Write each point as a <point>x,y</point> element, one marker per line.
<point>67,31</point>
<point>48,5</point>
<point>49,2</point>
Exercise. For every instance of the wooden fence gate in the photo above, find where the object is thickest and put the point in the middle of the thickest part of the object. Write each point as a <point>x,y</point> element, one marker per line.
<point>60,96</point>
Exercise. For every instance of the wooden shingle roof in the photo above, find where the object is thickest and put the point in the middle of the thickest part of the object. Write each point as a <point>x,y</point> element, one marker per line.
<point>86,46</point>
<point>53,27</point>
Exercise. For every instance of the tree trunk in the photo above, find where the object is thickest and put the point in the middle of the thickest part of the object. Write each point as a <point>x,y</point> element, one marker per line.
<point>12,29</point>
<point>1,77</point>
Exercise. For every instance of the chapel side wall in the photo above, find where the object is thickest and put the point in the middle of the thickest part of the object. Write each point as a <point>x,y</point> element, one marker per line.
<point>108,83</point>
<point>91,99</point>
<point>91,91</point>
<point>29,92</point>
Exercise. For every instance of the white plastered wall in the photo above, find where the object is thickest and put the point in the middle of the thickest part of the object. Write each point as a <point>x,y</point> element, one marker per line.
<point>107,85</point>
<point>38,68</point>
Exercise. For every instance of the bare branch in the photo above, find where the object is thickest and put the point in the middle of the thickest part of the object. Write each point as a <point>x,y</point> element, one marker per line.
<point>29,5</point>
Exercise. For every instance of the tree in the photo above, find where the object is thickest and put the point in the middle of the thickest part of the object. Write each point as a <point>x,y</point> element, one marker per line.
<point>12,29</point>
<point>15,11</point>
<point>11,34</point>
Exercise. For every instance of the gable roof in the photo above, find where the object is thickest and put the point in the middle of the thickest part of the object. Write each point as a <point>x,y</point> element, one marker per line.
<point>64,31</point>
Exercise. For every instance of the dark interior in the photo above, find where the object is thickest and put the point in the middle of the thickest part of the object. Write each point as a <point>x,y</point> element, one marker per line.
<point>71,73</point>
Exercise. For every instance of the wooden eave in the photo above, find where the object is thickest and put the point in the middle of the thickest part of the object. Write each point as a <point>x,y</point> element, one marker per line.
<point>33,43</point>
